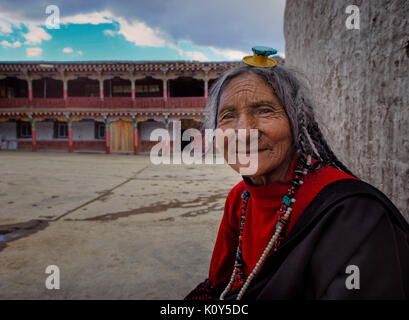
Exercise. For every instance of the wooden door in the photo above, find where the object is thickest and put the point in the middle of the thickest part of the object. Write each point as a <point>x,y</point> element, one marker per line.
<point>121,136</point>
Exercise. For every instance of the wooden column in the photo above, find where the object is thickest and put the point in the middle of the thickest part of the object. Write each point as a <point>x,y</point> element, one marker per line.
<point>167,139</point>
<point>45,87</point>
<point>30,88</point>
<point>65,88</point>
<point>206,81</point>
<point>133,88</point>
<point>70,146</point>
<point>165,89</point>
<point>206,85</point>
<point>33,135</point>
<point>135,136</point>
<point>101,89</point>
<point>107,137</point>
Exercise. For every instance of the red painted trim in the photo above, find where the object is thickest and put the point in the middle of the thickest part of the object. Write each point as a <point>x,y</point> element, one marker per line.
<point>108,142</point>
<point>167,143</point>
<point>34,140</point>
<point>135,141</point>
<point>119,103</point>
<point>70,149</point>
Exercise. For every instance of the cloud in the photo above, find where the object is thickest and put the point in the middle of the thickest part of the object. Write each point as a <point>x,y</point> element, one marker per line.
<point>5,26</point>
<point>229,54</point>
<point>196,55</point>
<point>16,44</point>
<point>34,52</point>
<point>140,34</point>
<point>133,30</point>
<point>110,32</point>
<point>91,18</point>
<point>67,50</point>
<point>79,52</point>
<point>36,35</point>
<point>223,24</point>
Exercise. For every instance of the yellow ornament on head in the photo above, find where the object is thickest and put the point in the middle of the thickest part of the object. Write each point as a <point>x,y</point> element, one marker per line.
<point>260,57</point>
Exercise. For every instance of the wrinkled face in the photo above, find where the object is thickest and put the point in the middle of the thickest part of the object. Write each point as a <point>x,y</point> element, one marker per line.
<point>247,102</point>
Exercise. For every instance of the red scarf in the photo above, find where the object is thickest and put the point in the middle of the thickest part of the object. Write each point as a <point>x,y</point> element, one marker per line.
<point>261,218</point>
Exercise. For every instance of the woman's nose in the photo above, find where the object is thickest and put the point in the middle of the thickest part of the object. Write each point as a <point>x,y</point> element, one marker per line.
<point>245,126</point>
<point>245,121</point>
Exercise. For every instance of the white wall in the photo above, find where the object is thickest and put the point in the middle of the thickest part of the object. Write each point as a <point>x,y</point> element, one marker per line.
<point>146,128</point>
<point>83,131</point>
<point>8,130</point>
<point>44,130</point>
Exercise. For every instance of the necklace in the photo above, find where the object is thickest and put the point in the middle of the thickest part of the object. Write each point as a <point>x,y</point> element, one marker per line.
<point>284,214</point>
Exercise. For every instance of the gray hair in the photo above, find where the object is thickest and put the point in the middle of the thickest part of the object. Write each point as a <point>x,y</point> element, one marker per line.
<point>290,90</point>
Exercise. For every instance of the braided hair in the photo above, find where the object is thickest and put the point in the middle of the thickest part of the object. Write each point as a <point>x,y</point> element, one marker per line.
<point>286,84</point>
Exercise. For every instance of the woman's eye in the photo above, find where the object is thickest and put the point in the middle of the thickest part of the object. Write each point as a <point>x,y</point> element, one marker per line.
<point>226,116</point>
<point>265,110</point>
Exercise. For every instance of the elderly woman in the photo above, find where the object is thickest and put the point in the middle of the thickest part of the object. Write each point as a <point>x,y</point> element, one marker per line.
<point>302,226</point>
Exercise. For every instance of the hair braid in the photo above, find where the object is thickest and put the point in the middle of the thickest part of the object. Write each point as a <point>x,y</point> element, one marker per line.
<point>331,158</point>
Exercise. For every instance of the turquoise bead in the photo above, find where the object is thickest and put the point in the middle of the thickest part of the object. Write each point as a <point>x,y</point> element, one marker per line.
<point>286,201</point>
<point>264,51</point>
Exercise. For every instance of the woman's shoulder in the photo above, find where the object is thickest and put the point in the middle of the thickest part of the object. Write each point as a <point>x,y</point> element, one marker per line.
<point>236,191</point>
<point>358,225</point>
<point>356,199</point>
<point>324,176</point>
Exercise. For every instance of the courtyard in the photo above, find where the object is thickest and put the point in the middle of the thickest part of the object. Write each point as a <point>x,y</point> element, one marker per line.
<point>117,226</point>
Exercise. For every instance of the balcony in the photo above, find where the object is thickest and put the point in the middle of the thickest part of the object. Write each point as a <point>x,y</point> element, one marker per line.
<point>107,103</point>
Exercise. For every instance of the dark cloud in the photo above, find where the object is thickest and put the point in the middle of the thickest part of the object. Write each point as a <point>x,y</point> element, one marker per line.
<point>233,24</point>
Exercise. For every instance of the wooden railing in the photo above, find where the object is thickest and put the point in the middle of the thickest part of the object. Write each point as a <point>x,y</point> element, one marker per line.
<point>106,103</point>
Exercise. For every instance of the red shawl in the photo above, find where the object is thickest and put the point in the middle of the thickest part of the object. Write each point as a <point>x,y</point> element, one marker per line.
<point>261,218</point>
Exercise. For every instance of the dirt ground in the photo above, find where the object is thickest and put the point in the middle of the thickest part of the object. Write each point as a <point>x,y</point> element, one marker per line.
<point>117,226</point>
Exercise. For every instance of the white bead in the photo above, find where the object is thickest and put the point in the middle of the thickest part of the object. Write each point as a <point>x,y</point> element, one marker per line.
<point>300,182</point>
<point>293,200</point>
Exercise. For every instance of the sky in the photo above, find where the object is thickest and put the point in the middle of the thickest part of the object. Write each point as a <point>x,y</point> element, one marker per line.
<point>153,30</point>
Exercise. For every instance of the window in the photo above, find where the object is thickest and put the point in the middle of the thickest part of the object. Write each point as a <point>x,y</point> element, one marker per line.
<point>91,90</point>
<point>24,130</point>
<point>2,92</point>
<point>121,89</point>
<point>62,130</point>
<point>99,130</point>
<point>154,88</point>
<point>147,88</point>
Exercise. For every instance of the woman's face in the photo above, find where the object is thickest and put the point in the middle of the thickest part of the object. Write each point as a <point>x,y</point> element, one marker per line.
<point>247,102</point>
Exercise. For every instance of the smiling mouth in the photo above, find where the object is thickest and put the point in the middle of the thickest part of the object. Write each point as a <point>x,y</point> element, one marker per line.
<point>253,151</point>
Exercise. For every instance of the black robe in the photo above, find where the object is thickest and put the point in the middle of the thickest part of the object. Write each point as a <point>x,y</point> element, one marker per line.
<point>348,223</point>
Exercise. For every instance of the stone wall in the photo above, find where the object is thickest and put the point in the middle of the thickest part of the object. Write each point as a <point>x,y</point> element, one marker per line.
<point>359,79</point>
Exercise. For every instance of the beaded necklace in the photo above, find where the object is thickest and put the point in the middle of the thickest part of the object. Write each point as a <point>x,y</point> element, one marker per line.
<point>284,213</point>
